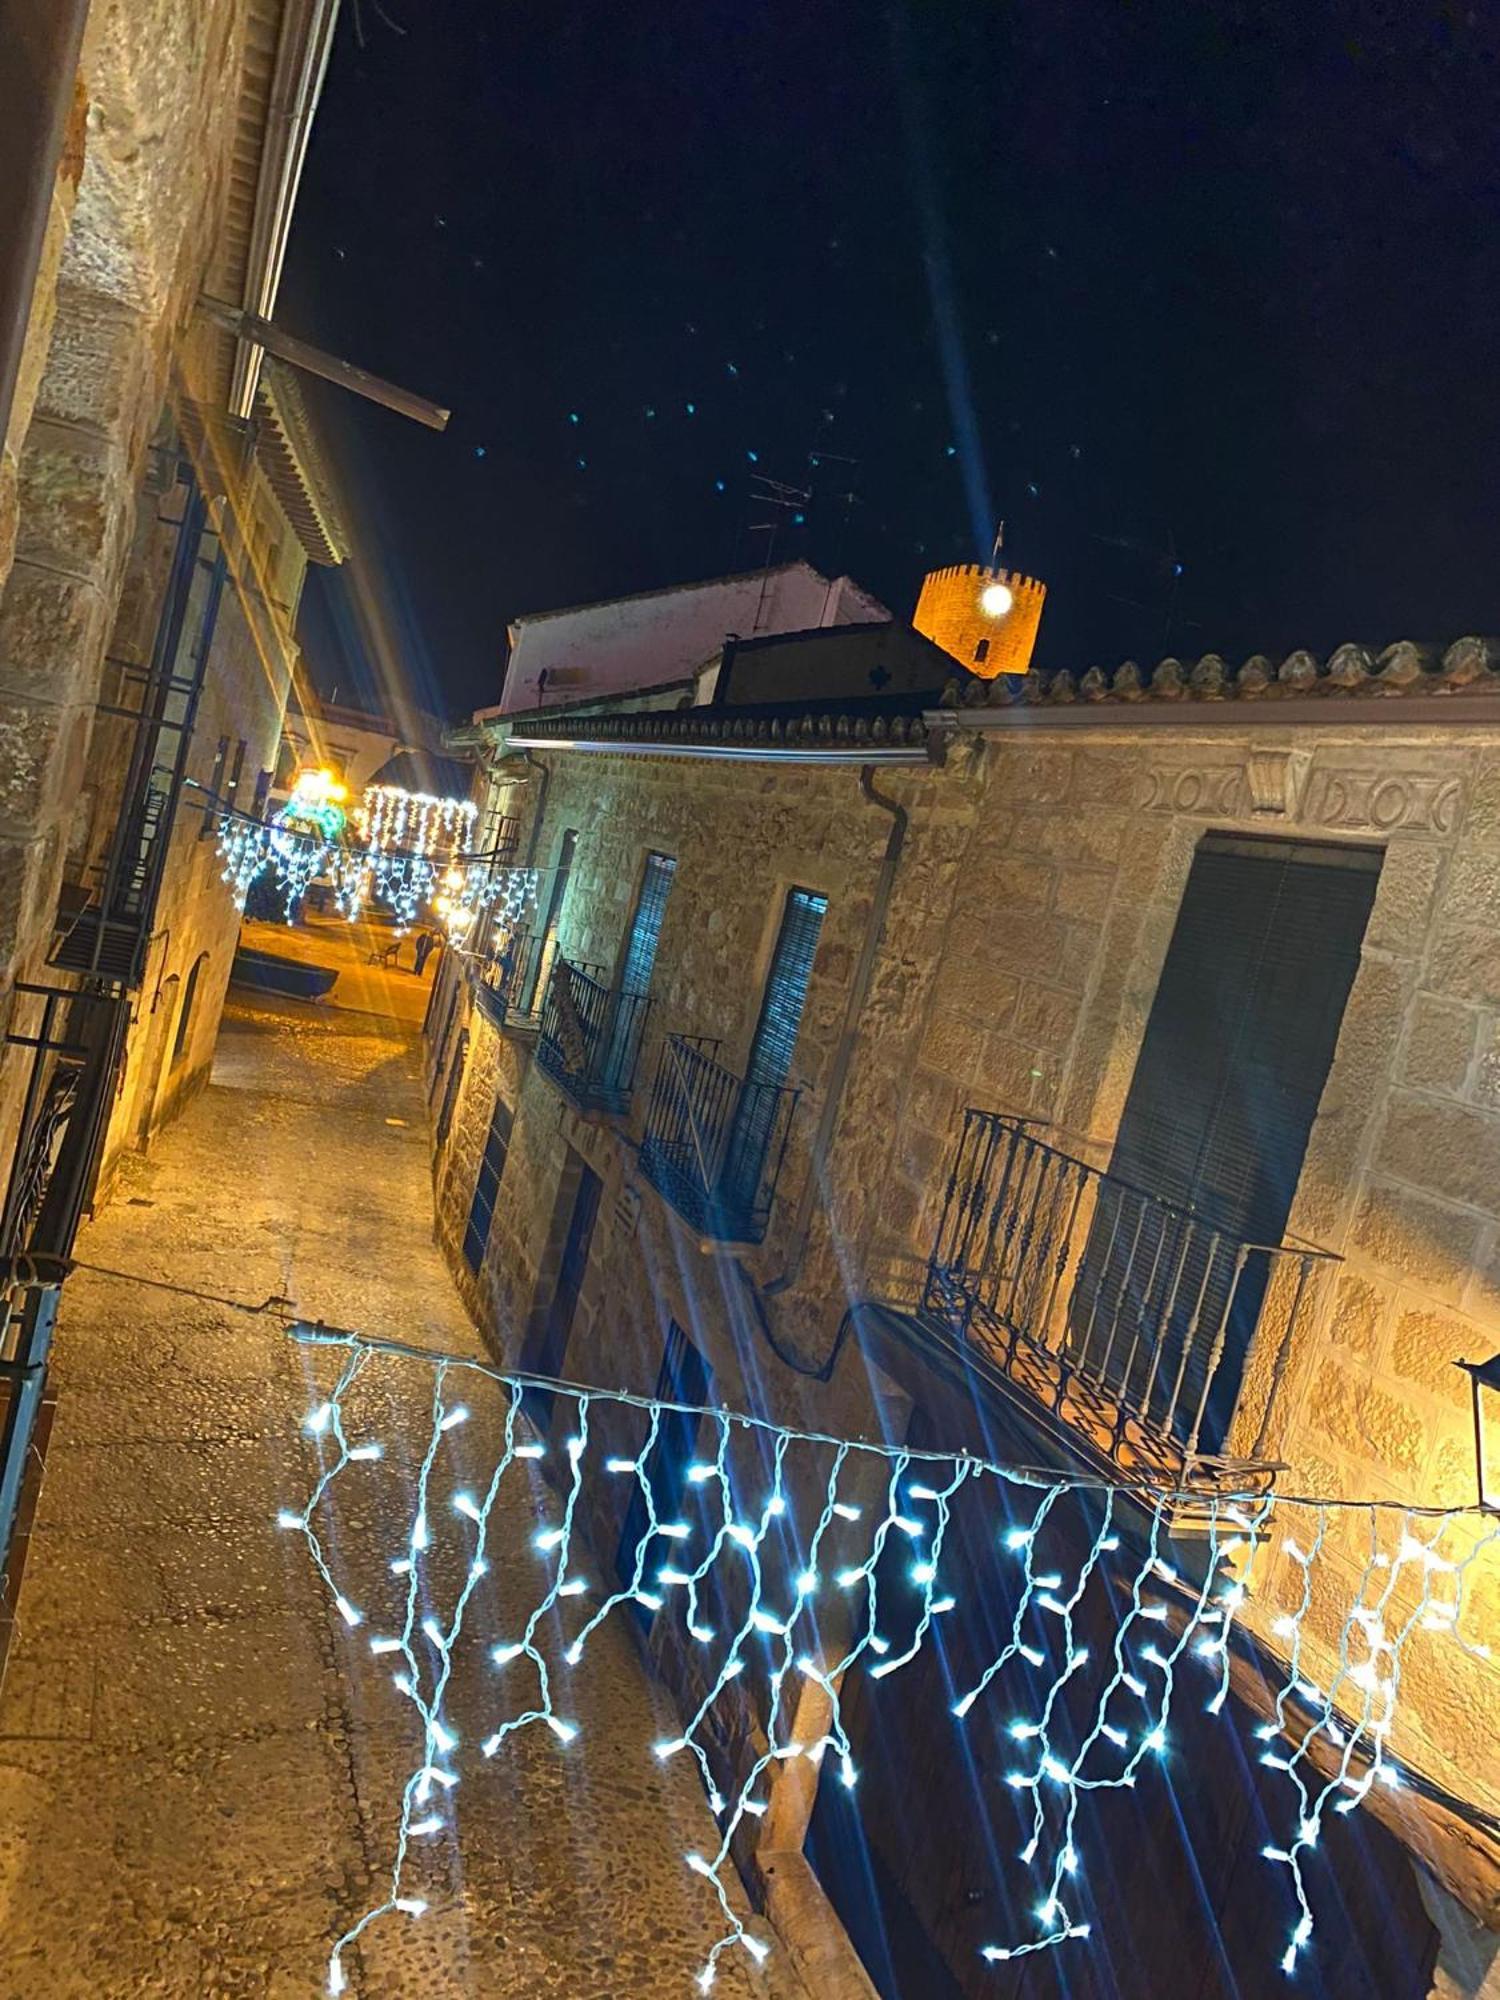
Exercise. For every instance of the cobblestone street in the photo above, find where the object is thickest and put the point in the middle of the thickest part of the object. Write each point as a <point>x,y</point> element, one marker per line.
<point>199,1766</point>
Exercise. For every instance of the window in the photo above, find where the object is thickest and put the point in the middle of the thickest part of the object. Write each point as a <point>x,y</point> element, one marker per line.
<point>262,793</point>
<point>236,770</point>
<point>981,652</point>
<point>450,1089</point>
<point>442,1045</point>
<point>185,1017</point>
<point>638,961</point>
<point>639,957</point>
<point>541,965</point>
<point>775,1041</point>
<point>487,1184</point>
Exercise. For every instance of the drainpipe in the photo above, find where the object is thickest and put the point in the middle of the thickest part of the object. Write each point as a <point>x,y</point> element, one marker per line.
<point>541,807</point>
<point>843,1054</point>
<point>41,39</point>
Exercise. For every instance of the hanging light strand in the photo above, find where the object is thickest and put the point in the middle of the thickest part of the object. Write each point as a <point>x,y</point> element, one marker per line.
<point>1084,1728</point>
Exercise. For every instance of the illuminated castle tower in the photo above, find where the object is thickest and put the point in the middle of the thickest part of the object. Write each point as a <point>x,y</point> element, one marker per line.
<point>986,618</point>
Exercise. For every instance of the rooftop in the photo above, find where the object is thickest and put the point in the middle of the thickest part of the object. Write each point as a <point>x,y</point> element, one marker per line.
<point>1350,672</point>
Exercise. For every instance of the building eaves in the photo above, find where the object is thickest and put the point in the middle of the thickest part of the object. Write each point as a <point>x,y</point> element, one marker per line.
<point>801,736</point>
<point>288,452</point>
<point>1295,689</point>
<point>284,56</point>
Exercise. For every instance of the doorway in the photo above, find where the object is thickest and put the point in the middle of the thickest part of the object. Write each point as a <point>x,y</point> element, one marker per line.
<point>1215,1127</point>
<point>683,1378</point>
<point>568,1245</point>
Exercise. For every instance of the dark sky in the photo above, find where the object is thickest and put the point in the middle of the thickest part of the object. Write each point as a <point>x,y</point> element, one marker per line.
<point>1167,284</point>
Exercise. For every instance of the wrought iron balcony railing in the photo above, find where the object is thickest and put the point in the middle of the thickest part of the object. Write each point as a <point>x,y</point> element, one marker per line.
<point>510,987</point>
<point>715,1143</point>
<point>590,1040</point>
<point>1129,1317</point>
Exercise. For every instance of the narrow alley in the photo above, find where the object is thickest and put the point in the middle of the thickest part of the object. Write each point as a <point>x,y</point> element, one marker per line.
<point>200,1767</point>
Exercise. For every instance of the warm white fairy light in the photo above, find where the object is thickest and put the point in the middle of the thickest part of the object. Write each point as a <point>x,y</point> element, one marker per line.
<point>1082,1726</point>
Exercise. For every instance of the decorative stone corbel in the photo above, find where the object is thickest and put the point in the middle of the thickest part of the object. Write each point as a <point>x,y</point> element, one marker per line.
<point>1273,779</point>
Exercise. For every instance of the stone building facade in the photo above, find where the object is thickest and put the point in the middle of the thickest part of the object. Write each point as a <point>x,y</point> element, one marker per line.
<point>176,179</point>
<point>1004,874</point>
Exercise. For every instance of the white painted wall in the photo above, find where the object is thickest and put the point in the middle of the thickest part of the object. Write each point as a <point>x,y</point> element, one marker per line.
<point>667,635</point>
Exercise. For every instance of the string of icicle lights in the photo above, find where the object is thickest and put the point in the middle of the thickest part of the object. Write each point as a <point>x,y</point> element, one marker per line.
<point>405,880</point>
<point>791,1561</point>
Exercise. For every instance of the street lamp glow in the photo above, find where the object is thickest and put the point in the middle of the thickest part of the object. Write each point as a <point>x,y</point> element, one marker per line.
<point>996,599</point>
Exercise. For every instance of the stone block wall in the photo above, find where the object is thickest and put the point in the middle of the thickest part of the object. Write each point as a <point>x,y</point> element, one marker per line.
<point>134,214</point>
<point>244,697</point>
<point>1043,871</point>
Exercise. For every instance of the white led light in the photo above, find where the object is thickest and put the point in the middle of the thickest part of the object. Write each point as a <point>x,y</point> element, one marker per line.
<point>1365,1658</point>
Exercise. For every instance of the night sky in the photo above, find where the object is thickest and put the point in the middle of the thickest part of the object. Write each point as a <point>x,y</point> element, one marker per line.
<point>1202,300</point>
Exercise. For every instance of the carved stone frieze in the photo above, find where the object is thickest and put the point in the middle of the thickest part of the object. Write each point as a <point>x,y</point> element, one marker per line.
<point>1216,791</point>
<point>1365,798</point>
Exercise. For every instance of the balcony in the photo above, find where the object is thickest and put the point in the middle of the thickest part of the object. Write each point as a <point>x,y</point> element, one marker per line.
<point>715,1144</point>
<point>509,989</point>
<point>1124,1316</point>
<point>590,1038</point>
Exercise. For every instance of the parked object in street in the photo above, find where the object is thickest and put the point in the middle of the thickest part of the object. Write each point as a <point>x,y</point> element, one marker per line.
<point>275,974</point>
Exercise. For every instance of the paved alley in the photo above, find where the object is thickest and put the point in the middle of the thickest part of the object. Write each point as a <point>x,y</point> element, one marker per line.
<point>199,1766</point>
